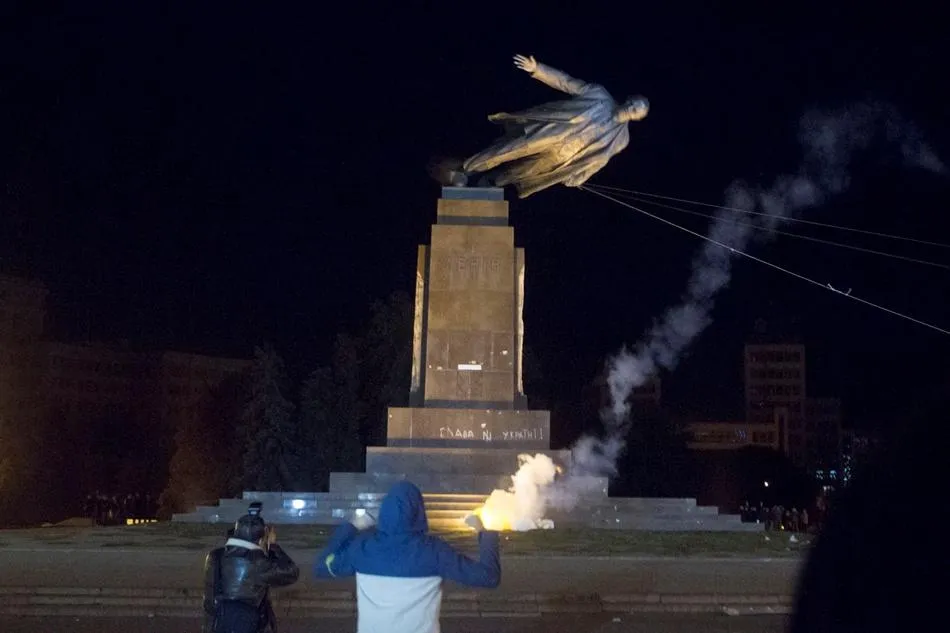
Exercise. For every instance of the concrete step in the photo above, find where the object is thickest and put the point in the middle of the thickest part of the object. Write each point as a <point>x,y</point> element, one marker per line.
<point>474,498</point>
<point>436,509</point>
<point>447,525</point>
<point>457,503</point>
<point>446,509</point>
<point>602,510</point>
<point>723,522</point>
<point>641,502</point>
<point>433,482</point>
<point>279,497</point>
<point>451,507</point>
<point>443,514</point>
<point>653,525</point>
<point>348,501</point>
<point>451,520</point>
<point>451,461</point>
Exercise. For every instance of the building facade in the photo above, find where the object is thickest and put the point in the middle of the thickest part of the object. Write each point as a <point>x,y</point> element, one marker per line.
<point>822,457</point>
<point>775,392</point>
<point>714,436</point>
<point>96,376</point>
<point>113,409</point>
<point>22,309</point>
<point>22,318</point>
<point>809,428</point>
<point>187,382</point>
<point>123,407</point>
<point>857,447</point>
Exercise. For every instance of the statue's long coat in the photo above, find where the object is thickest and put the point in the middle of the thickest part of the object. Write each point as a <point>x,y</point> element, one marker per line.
<point>565,141</point>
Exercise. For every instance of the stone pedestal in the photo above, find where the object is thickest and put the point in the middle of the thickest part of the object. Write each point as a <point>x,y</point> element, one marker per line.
<point>468,428</point>
<point>468,331</point>
<point>468,418</point>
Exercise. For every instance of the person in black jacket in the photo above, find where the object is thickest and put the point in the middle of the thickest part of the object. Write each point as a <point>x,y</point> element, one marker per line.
<point>238,578</point>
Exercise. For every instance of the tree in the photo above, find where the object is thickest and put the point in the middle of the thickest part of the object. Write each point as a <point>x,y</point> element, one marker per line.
<point>29,481</point>
<point>386,358</point>
<point>329,421</point>
<point>21,473</point>
<point>268,432</point>
<point>204,465</point>
<point>343,404</point>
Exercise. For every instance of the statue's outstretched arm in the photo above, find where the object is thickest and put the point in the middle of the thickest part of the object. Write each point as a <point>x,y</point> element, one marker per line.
<point>551,76</point>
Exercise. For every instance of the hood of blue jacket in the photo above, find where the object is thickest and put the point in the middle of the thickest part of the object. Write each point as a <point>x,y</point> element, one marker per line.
<point>403,511</point>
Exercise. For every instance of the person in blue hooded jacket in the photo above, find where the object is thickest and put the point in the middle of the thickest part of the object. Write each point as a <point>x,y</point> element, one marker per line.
<point>399,567</point>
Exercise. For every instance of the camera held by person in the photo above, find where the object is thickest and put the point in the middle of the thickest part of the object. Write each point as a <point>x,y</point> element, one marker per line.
<point>239,575</point>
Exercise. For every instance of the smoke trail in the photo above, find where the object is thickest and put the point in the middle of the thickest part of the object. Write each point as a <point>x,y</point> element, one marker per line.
<point>831,138</point>
<point>829,142</point>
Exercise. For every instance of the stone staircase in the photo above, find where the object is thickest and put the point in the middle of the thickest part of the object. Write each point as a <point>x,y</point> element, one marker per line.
<point>456,481</point>
<point>445,511</point>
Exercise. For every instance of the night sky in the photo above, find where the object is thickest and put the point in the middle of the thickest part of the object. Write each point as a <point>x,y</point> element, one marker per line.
<point>206,179</point>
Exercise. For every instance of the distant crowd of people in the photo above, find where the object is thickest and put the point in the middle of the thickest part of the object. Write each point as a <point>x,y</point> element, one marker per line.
<point>114,509</point>
<point>778,517</point>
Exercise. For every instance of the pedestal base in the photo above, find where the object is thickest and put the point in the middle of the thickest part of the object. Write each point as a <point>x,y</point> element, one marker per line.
<point>452,461</point>
<point>490,428</point>
<point>446,511</point>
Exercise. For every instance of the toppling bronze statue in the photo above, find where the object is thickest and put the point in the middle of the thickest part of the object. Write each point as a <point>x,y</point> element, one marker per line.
<point>565,141</point>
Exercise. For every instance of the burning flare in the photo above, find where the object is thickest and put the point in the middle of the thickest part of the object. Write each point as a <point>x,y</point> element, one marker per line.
<point>522,506</point>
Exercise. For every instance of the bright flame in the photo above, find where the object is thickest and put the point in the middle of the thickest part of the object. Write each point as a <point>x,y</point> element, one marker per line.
<point>491,521</point>
<point>521,507</point>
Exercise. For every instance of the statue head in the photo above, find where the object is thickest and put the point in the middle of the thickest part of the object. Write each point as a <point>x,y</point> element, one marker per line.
<point>634,109</point>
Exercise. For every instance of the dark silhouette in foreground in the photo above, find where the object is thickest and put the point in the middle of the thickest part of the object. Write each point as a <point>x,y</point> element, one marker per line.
<point>880,563</point>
